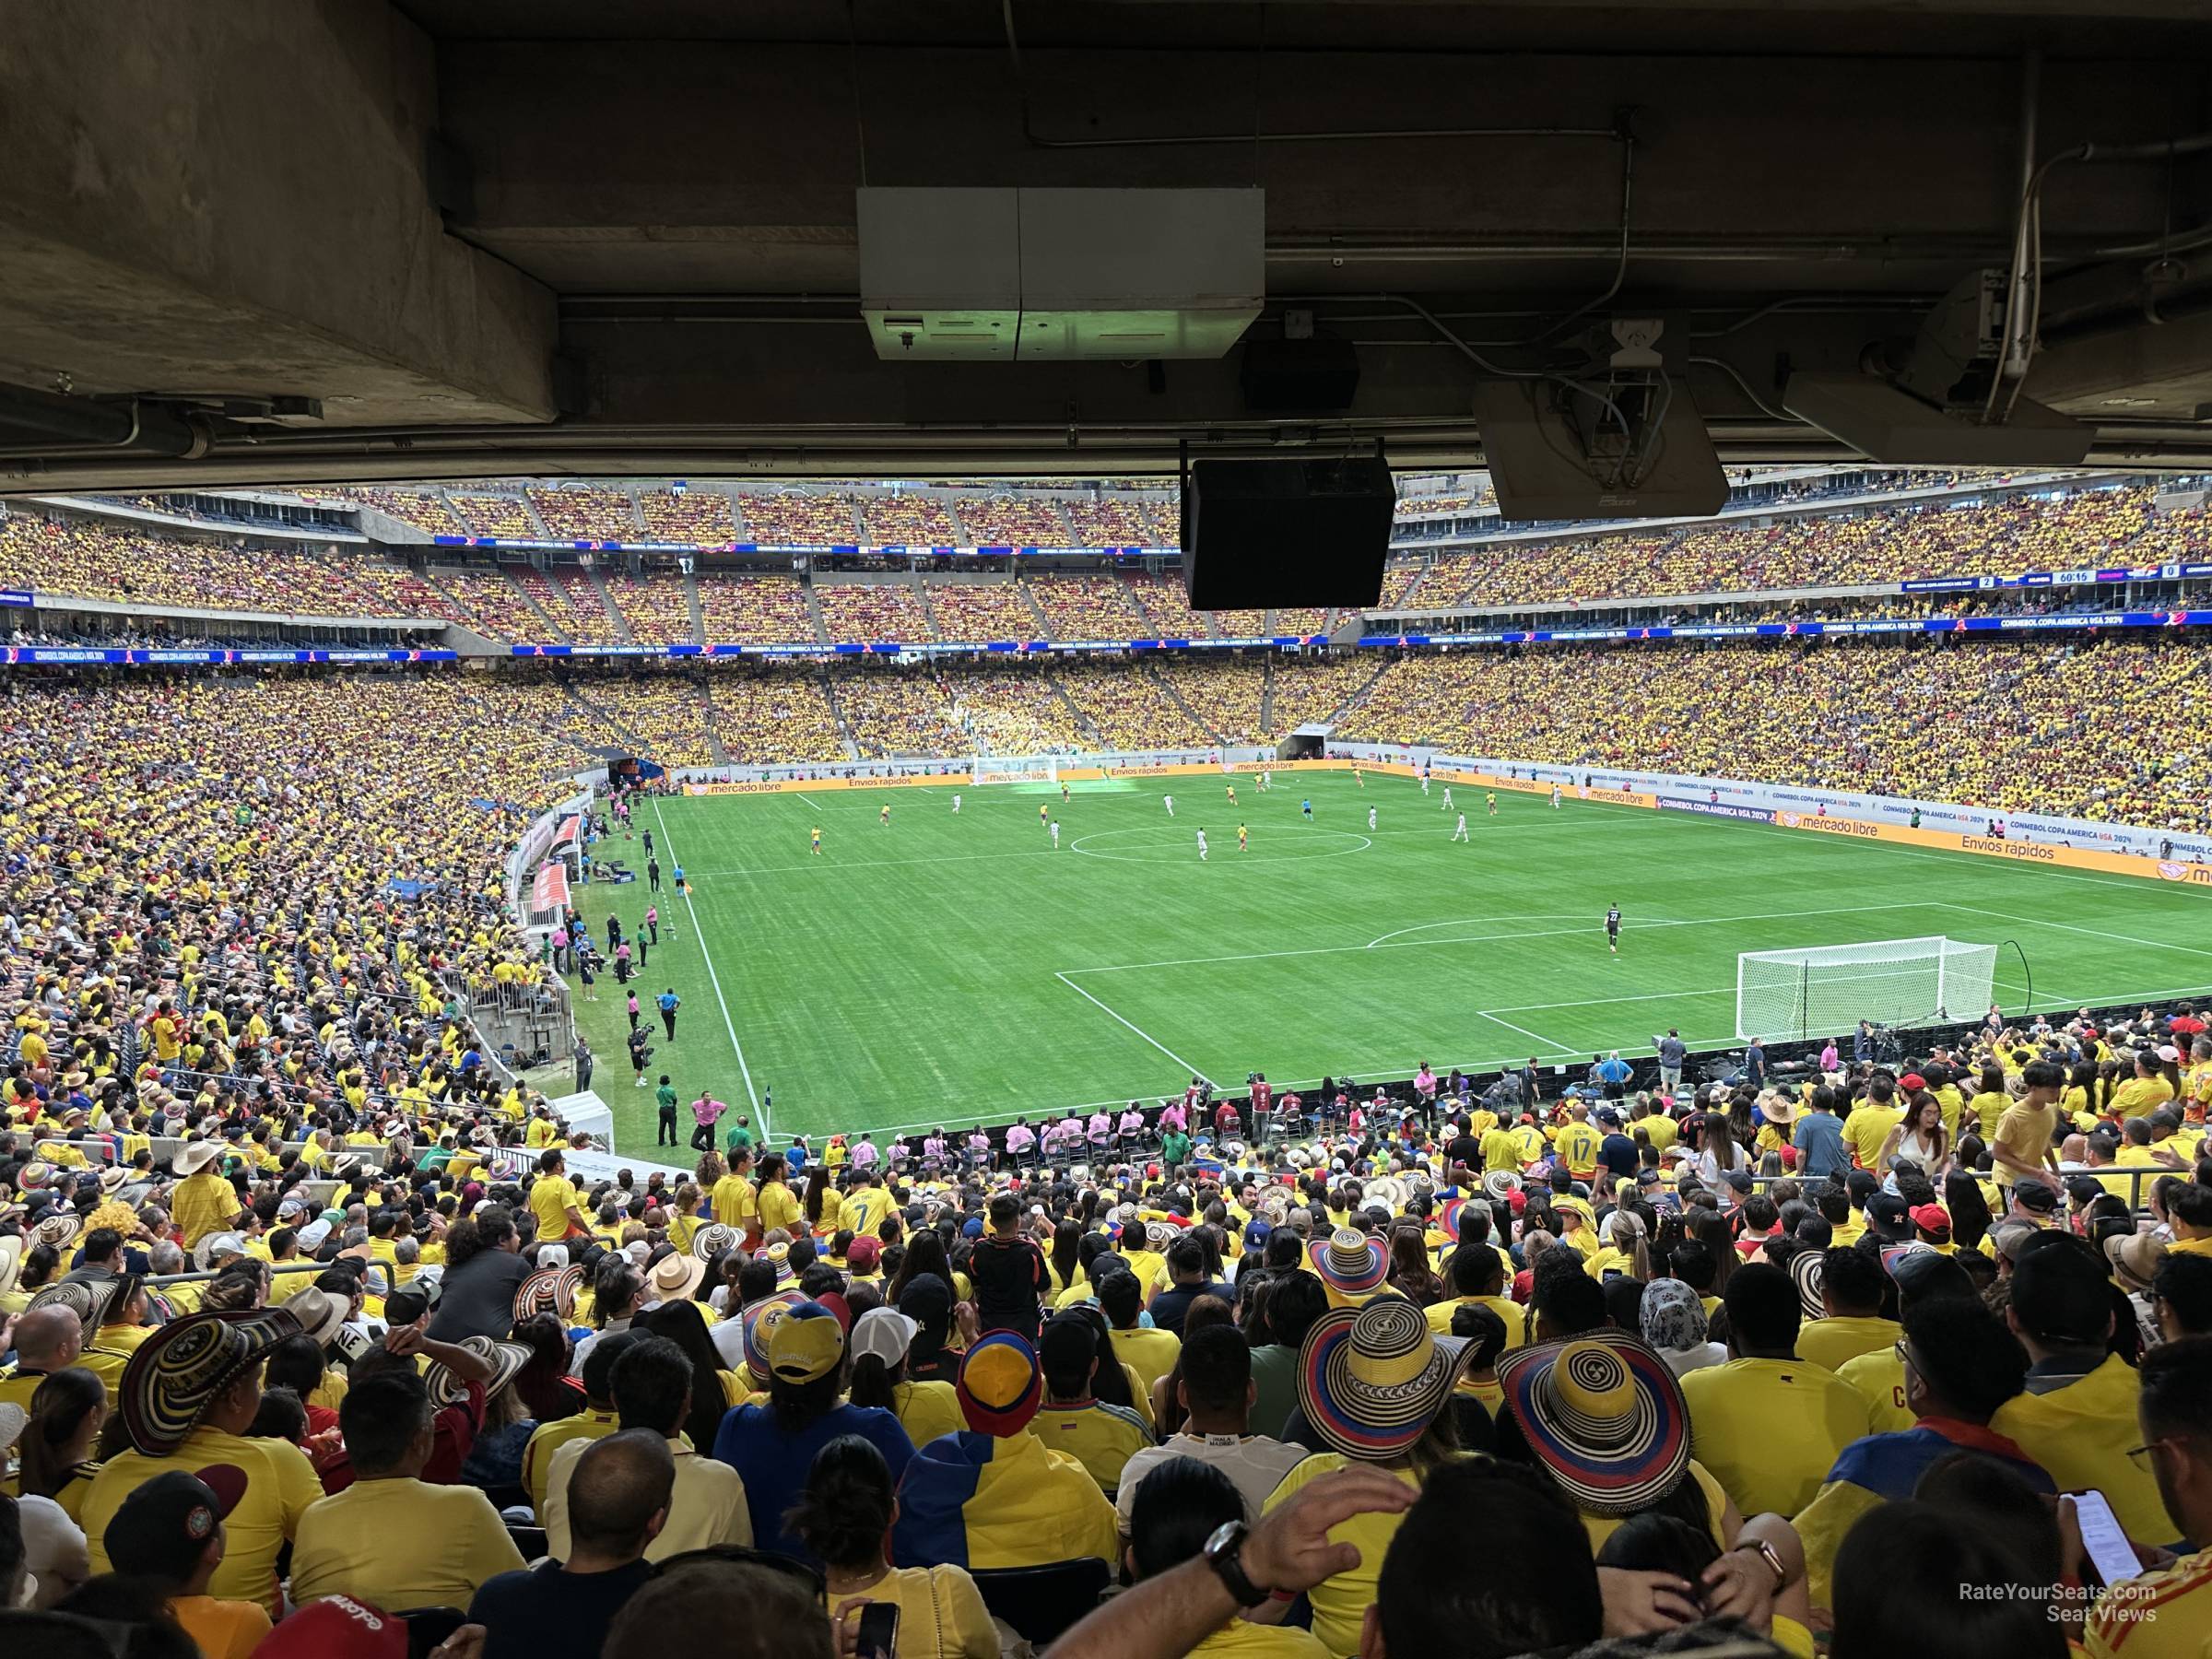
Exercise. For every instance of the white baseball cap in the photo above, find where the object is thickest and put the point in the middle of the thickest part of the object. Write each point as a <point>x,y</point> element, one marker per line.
<point>884,1333</point>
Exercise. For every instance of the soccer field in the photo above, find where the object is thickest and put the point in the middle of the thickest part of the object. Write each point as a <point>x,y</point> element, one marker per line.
<point>944,969</point>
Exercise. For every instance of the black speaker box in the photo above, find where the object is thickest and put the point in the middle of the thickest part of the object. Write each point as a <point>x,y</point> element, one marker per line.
<point>1306,532</point>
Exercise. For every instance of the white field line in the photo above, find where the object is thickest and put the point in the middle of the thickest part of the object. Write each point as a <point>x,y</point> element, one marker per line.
<point>1184,1064</point>
<point>707,956</point>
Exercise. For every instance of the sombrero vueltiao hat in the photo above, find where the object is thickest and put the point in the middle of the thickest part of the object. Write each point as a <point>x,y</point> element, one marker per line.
<point>176,1373</point>
<point>1605,1415</point>
<point>11,1259</point>
<point>57,1228</point>
<point>781,1255</point>
<point>1446,1217</point>
<point>548,1290</point>
<point>1500,1183</point>
<point>713,1240</point>
<point>1371,1379</point>
<point>447,1388</point>
<point>1807,1267</point>
<point>88,1300</point>
<point>1351,1262</point>
<point>759,1323</point>
<point>1385,1190</point>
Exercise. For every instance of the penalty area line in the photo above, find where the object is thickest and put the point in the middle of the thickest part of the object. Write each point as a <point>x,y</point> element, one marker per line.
<point>1132,1026</point>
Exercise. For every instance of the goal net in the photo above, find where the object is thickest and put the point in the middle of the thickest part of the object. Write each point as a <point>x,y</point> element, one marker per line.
<point>1017,768</point>
<point>1826,990</point>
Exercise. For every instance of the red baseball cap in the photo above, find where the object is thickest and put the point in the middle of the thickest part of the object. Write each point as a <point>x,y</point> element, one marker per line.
<point>336,1628</point>
<point>1911,1080</point>
<point>1931,1217</point>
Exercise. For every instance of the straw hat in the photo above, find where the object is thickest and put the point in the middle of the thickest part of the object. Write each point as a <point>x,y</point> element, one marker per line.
<point>1605,1415</point>
<point>216,1244</point>
<point>1386,1190</point>
<point>676,1275</point>
<point>320,1313</point>
<point>2134,1257</point>
<point>1500,1183</point>
<point>548,1290</point>
<point>57,1230</point>
<point>11,1259</point>
<point>1371,1379</point>
<point>507,1360</point>
<point>195,1157</point>
<point>87,1298</point>
<point>1352,1263</point>
<point>176,1373</point>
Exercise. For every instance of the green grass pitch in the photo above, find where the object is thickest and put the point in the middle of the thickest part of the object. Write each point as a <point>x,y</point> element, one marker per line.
<point>945,969</point>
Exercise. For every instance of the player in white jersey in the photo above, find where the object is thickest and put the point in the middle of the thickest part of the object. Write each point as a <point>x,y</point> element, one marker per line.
<point>1447,798</point>
<point>1424,783</point>
<point>1371,817</point>
<point>1201,846</point>
<point>1267,781</point>
<point>955,804</point>
<point>1168,801</point>
<point>1555,798</point>
<point>1461,832</point>
<point>1055,833</point>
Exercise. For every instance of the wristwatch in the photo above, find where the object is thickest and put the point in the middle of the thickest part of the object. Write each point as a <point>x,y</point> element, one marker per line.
<point>1772,1557</point>
<point>1224,1553</point>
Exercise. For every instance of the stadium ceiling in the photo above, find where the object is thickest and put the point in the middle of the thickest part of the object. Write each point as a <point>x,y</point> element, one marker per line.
<point>279,240</point>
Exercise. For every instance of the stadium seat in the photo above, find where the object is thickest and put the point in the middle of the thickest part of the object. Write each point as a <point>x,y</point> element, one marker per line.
<point>427,1627</point>
<point>1041,1602</point>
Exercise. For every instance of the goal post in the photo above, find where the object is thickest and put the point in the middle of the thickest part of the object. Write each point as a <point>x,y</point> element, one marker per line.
<point>1826,990</point>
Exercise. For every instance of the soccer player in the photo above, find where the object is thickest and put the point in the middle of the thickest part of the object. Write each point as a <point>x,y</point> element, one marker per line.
<point>1267,781</point>
<point>818,838</point>
<point>1233,794</point>
<point>1461,832</point>
<point>1358,777</point>
<point>1424,779</point>
<point>1491,797</point>
<point>1555,798</point>
<point>1055,834</point>
<point>1306,807</point>
<point>955,803</point>
<point>1063,792</point>
<point>1243,839</point>
<point>1371,817</point>
<point>1613,929</point>
<point>1447,798</point>
<point>1202,846</point>
<point>884,818</point>
<point>1168,801</point>
<point>1044,815</point>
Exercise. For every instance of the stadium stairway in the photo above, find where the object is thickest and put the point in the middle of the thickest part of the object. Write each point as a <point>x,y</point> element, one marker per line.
<point>1075,710</point>
<point>1045,628</point>
<point>1360,696</point>
<point>821,629</point>
<point>1169,691</point>
<point>844,726</point>
<point>1268,691</point>
<point>720,755</point>
<point>698,616</point>
<point>607,599</point>
<point>532,586</point>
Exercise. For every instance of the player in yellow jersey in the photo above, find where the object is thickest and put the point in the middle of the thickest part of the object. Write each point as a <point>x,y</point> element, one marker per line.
<point>1063,792</point>
<point>1233,794</point>
<point>1493,798</point>
<point>1358,777</point>
<point>884,818</point>
<point>817,839</point>
<point>1044,815</point>
<point>1243,839</point>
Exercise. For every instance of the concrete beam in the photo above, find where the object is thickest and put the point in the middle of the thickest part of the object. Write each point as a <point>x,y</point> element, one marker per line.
<point>232,199</point>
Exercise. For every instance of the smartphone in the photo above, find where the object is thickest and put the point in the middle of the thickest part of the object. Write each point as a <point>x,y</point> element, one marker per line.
<point>879,1628</point>
<point>2110,1554</point>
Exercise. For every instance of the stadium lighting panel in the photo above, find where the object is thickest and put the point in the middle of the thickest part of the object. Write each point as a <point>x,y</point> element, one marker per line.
<point>1059,276</point>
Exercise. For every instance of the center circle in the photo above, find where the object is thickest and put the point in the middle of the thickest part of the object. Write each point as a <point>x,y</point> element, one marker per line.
<point>1271,851</point>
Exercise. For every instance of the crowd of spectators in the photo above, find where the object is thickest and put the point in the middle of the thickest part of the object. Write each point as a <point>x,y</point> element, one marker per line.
<point>427,509</point>
<point>497,514</point>
<point>657,606</point>
<point>767,714</point>
<point>486,601</point>
<point>661,710</point>
<point>798,518</point>
<point>584,512</point>
<point>754,610</point>
<point>872,612</point>
<point>896,710</point>
<point>907,518</point>
<point>582,613</point>
<point>1984,723</point>
<point>547,609</point>
<point>1128,706</point>
<point>975,612</point>
<point>1087,608</point>
<point>1013,521</point>
<point>1112,521</point>
<point>1013,708</point>
<point>694,517</point>
<point>1167,607</point>
<point>1726,1368</point>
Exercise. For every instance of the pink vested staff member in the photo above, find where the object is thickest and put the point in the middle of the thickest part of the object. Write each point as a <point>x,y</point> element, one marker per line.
<point>706,1112</point>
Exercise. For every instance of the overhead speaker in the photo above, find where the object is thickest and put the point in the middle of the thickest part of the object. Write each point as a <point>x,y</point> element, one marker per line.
<point>1283,533</point>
